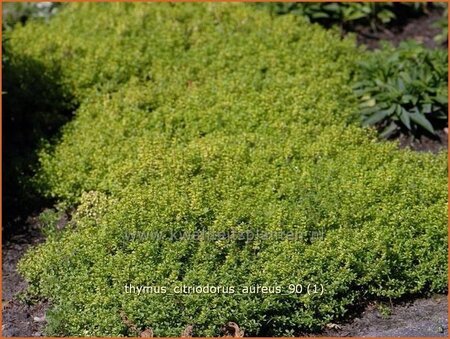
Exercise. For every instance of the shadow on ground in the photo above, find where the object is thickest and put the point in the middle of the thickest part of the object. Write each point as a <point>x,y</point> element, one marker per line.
<point>35,106</point>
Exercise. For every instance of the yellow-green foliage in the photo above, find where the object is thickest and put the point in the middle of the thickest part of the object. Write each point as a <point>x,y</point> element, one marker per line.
<point>221,118</point>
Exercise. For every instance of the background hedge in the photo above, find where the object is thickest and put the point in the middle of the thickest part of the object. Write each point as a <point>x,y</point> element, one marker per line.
<point>220,118</point>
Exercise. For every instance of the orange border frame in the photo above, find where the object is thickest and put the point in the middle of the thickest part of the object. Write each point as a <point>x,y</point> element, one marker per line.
<point>1,129</point>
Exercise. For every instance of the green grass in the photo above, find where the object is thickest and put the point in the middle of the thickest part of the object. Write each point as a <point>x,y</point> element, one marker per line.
<point>220,118</point>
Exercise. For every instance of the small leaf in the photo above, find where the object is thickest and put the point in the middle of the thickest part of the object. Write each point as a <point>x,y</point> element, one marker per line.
<point>368,103</point>
<point>400,84</point>
<point>441,99</point>
<point>420,120</point>
<point>426,108</point>
<point>391,109</point>
<point>408,98</point>
<point>375,118</point>
<point>405,119</point>
<point>319,15</point>
<point>379,83</point>
<point>389,130</point>
<point>368,111</point>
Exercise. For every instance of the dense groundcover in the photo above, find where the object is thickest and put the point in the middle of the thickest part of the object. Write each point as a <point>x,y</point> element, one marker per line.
<point>221,119</point>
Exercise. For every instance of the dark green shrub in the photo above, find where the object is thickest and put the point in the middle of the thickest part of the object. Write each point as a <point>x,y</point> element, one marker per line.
<point>217,118</point>
<point>404,88</point>
<point>348,15</point>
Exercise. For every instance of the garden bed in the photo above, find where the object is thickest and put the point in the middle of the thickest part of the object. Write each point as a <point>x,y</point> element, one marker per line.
<point>420,317</point>
<point>415,318</point>
<point>222,122</point>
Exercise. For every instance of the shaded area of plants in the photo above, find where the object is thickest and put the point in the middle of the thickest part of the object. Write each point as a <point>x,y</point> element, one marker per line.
<point>349,16</point>
<point>34,108</point>
<point>404,89</point>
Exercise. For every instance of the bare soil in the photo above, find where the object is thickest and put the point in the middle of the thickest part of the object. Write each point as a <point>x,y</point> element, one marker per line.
<point>419,318</point>
<point>425,143</point>
<point>20,319</point>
